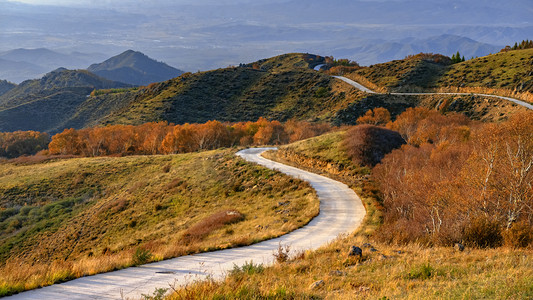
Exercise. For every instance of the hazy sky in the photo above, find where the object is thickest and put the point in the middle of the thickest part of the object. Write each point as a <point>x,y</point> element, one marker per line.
<point>216,33</point>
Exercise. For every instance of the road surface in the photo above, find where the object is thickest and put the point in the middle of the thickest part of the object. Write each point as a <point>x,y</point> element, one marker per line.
<point>365,89</point>
<point>341,212</point>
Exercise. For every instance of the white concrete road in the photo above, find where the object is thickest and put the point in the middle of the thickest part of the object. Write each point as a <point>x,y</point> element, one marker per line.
<point>341,212</point>
<point>364,89</point>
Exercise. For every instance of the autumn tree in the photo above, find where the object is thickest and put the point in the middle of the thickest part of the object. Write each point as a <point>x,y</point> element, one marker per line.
<point>368,144</point>
<point>378,116</point>
<point>14,144</point>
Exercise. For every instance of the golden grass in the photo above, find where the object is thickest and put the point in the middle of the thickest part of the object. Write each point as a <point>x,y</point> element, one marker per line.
<point>406,272</point>
<point>146,202</point>
<point>391,272</point>
<point>366,83</point>
<point>525,96</point>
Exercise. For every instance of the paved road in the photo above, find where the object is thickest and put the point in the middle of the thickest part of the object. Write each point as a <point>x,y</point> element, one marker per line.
<point>341,211</point>
<point>365,89</point>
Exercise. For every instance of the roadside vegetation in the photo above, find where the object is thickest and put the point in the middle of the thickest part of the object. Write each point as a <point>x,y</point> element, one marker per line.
<point>507,73</point>
<point>404,255</point>
<point>62,219</point>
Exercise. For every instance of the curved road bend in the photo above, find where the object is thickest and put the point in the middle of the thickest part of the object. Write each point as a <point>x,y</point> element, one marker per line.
<point>341,211</point>
<point>365,89</point>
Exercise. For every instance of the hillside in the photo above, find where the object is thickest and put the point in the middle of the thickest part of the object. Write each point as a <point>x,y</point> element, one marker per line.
<point>42,104</point>
<point>385,270</point>
<point>134,68</point>
<point>280,88</point>
<point>62,219</point>
<point>6,86</point>
<point>511,71</point>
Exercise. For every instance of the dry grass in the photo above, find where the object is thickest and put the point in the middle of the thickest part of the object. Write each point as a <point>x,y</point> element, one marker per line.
<point>84,216</point>
<point>366,83</point>
<point>388,271</point>
<point>394,272</point>
<point>524,96</point>
<point>213,222</point>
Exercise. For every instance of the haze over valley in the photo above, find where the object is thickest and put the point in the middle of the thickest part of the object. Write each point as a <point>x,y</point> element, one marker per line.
<point>204,35</point>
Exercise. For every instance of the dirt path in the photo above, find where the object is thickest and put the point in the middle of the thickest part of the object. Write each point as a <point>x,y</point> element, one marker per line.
<point>341,211</point>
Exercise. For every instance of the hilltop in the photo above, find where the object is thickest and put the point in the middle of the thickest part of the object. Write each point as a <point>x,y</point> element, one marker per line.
<point>135,68</point>
<point>281,88</point>
<point>6,86</point>
<point>510,70</point>
<point>42,104</point>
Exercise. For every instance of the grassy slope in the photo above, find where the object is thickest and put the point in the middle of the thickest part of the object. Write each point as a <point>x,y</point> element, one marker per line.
<point>509,70</point>
<point>498,74</point>
<point>406,272</point>
<point>280,88</point>
<point>68,218</point>
<point>45,104</point>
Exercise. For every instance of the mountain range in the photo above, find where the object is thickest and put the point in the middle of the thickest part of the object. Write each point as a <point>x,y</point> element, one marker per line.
<point>204,35</point>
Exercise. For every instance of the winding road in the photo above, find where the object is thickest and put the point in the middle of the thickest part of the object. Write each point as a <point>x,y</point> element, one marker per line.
<point>367,90</point>
<point>361,87</point>
<point>341,212</point>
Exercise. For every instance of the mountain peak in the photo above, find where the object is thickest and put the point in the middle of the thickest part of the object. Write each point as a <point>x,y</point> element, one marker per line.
<point>134,67</point>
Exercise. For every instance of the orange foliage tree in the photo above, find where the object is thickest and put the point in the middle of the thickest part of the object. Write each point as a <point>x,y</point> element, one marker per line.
<point>378,116</point>
<point>164,138</point>
<point>458,181</point>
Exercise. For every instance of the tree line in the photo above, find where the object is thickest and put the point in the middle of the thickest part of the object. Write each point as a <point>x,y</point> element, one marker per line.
<point>456,180</point>
<point>18,143</point>
<point>164,138</point>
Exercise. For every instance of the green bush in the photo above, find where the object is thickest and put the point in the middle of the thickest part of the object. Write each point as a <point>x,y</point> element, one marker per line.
<point>248,268</point>
<point>141,256</point>
<point>421,272</point>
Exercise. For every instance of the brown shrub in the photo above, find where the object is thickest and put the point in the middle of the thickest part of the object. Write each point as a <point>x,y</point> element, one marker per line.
<point>482,232</point>
<point>368,144</point>
<point>520,235</point>
<point>215,221</point>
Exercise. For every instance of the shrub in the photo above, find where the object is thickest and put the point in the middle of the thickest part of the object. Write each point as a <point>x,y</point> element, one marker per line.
<point>282,253</point>
<point>482,232</point>
<point>368,144</point>
<point>520,235</point>
<point>422,272</point>
<point>141,256</point>
<point>213,222</point>
<point>249,268</point>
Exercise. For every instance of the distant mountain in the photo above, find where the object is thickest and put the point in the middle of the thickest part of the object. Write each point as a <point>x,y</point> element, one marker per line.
<point>22,64</point>
<point>444,44</point>
<point>134,68</point>
<point>6,86</point>
<point>18,71</point>
<point>43,104</point>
